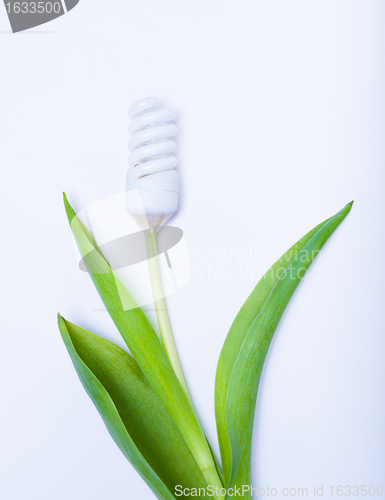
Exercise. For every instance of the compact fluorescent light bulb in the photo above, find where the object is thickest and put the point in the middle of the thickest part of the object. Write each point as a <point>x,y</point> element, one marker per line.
<point>152,183</point>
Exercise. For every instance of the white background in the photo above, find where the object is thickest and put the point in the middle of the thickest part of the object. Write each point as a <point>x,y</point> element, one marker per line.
<point>281,123</point>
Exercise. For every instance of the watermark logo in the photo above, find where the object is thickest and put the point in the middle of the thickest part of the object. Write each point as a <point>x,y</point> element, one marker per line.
<point>249,263</point>
<point>128,250</point>
<point>25,15</point>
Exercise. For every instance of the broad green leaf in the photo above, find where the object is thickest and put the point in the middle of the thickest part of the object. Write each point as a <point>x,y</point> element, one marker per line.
<point>144,345</point>
<point>152,439</point>
<point>244,351</point>
<point>112,419</point>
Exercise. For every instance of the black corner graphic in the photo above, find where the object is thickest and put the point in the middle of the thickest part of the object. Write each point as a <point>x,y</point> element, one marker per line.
<point>70,4</point>
<point>24,15</point>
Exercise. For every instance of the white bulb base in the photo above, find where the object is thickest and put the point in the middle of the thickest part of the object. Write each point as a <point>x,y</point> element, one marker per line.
<point>152,200</point>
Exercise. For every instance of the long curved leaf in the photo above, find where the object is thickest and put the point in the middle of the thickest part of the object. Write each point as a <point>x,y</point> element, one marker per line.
<point>144,345</point>
<point>233,344</point>
<point>244,351</point>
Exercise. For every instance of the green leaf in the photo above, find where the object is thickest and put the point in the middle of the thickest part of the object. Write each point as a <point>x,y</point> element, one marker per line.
<point>133,413</point>
<point>244,351</point>
<point>111,417</point>
<point>144,345</point>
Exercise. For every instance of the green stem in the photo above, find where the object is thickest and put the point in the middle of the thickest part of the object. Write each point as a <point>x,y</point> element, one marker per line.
<point>161,311</point>
<point>206,459</point>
